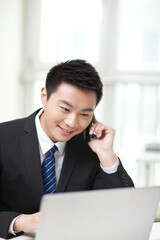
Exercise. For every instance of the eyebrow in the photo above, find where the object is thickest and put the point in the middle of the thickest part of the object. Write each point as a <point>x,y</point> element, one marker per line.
<point>70,105</point>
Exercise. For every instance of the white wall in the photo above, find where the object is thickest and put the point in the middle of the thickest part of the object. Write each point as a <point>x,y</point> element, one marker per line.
<point>11,43</point>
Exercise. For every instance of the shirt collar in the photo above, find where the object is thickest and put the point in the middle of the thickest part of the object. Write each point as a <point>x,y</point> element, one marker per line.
<point>44,141</point>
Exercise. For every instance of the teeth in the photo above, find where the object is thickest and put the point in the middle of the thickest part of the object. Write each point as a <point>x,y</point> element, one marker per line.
<point>66,130</point>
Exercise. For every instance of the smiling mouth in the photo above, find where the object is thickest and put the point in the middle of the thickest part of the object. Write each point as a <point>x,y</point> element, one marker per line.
<point>65,130</point>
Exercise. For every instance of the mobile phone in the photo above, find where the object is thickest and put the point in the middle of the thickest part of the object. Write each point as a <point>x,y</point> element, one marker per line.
<point>88,137</point>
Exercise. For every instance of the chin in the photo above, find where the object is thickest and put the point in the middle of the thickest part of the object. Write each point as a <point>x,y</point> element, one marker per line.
<point>62,139</point>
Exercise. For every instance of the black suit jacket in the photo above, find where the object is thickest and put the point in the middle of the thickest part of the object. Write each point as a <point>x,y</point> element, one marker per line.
<point>21,185</point>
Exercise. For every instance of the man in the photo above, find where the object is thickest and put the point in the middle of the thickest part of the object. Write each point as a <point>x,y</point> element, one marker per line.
<point>73,90</point>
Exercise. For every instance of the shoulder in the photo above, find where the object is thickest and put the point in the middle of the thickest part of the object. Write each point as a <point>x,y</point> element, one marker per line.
<point>4,126</point>
<point>17,125</point>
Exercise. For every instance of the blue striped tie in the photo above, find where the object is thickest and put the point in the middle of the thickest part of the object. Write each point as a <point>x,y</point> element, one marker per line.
<point>48,171</point>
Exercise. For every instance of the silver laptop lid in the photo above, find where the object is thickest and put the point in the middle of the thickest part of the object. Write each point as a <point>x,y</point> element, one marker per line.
<point>99,215</point>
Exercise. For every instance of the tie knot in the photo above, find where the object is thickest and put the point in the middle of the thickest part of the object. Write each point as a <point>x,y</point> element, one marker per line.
<point>53,149</point>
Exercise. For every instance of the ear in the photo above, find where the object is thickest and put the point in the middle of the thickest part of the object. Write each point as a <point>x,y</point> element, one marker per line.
<point>43,96</point>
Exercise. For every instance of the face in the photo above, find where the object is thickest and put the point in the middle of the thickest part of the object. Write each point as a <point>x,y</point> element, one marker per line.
<point>67,112</point>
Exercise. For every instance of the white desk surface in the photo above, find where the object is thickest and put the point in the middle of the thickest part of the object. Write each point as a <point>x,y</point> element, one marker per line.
<point>155,234</point>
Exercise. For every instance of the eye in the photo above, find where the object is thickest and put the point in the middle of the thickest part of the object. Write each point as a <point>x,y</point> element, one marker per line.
<point>84,114</point>
<point>65,109</point>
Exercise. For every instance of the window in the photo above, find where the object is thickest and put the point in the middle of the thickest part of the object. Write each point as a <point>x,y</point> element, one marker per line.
<point>138,35</point>
<point>70,29</point>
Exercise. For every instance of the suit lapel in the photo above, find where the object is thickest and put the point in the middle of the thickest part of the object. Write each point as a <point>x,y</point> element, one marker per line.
<point>29,143</point>
<point>73,148</point>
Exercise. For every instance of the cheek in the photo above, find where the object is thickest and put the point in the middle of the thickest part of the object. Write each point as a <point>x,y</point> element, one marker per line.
<point>84,124</point>
<point>49,116</point>
<point>54,116</point>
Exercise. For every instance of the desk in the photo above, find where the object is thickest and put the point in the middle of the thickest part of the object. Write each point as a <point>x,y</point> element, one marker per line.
<point>155,234</point>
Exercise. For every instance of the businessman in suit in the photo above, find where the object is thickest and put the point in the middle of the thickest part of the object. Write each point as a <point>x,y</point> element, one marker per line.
<point>73,90</point>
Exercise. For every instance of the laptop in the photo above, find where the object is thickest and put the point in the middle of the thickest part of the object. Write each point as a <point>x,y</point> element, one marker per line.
<point>114,214</point>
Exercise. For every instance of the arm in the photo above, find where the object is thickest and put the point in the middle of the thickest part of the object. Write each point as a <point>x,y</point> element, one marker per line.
<point>103,144</point>
<point>119,179</point>
<point>103,147</point>
<point>18,191</point>
<point>5,220</point>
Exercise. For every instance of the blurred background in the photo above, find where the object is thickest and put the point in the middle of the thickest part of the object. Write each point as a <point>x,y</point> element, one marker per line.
<point>121,38</point>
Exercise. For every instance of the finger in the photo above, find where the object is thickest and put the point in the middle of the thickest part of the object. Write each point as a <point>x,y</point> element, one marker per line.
<point>99,128</point>
<point>102,129</point>
<point>92,129</point>
<point>94,119</point>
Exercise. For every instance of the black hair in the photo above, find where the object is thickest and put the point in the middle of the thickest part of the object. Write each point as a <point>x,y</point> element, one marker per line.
<point>76,72</point>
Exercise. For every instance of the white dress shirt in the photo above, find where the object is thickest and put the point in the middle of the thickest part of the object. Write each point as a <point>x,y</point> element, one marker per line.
<point>45,144</point>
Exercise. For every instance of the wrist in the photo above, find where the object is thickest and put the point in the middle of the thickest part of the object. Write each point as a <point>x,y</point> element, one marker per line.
<point>107,158</point>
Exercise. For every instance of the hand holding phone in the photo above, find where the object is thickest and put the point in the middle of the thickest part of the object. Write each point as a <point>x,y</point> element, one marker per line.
<point>89,137</point>
<point>102,144</point>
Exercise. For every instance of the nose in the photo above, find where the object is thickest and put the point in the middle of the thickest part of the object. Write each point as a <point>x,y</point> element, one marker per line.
<point>71,120</point>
